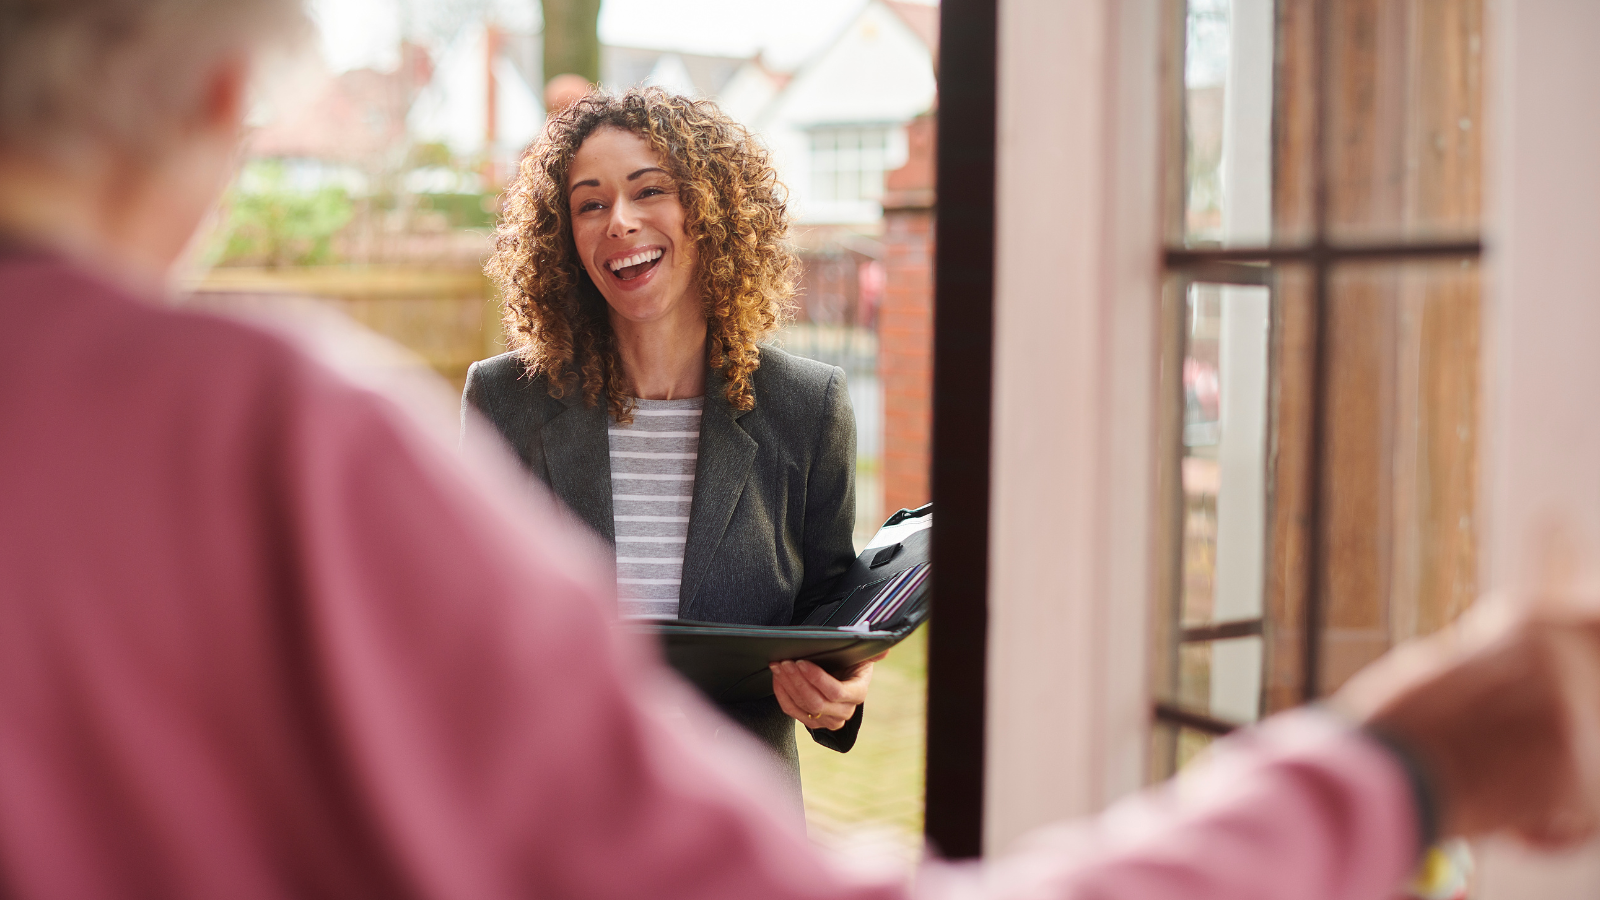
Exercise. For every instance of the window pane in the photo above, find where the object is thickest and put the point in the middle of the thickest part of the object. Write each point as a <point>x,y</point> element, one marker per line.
<point>824,185</point>
<point>1399,448</point>
<point>1173,747</point>
<point>1191,743</point>
<point>824,164</point>
<point>847,164</point>
<point>1228,121</point>
<point>1404,130</point>
<point>1223,476</point>
<point>1406,133</point>
<point>874,147</point>
<point>1222,678</point>
<point>1224,434</point>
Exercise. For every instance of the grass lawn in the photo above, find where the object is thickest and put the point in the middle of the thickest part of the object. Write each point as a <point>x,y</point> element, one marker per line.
<point>869,801</point>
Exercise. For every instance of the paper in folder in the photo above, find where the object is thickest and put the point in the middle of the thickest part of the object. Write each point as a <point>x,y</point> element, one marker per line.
<point>874,605</point>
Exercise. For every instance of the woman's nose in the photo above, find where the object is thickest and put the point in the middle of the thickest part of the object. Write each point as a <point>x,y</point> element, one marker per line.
<point>623,221</point>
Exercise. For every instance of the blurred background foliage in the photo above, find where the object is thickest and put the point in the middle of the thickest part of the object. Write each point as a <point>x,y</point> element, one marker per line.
<point>268,222</point>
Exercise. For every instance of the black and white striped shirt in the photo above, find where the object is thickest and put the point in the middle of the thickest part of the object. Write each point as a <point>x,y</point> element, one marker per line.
<point>652,488</point>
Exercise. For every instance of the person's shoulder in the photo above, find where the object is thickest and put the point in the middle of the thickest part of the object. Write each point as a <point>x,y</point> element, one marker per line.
<point>209,378</point>
<point>505,381</point>
<point>160,345</point>
<point>782,373</point>
<point>500,371</point>
<point>508,373</point>
<point>796,396</point>
<point>58,297</point>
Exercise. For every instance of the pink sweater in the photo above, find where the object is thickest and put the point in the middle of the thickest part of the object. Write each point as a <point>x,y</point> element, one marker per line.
<point>262,638</point>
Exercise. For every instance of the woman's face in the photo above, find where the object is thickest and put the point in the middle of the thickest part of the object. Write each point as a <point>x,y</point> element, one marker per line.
<point>628,226</point>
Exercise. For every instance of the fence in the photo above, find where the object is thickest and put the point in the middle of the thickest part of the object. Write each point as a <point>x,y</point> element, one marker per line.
<point>450,318</point>
<point>447,316</point>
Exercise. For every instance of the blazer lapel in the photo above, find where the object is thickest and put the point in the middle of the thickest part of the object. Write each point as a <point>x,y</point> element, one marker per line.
<point>577,456</point>
<point>727,454</point>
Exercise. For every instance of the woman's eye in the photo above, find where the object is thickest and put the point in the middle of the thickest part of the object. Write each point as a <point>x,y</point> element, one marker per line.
<point>589,206</point>
<point>651,192</point>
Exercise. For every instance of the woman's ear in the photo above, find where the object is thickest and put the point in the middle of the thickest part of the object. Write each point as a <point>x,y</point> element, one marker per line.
<point>224,98</point>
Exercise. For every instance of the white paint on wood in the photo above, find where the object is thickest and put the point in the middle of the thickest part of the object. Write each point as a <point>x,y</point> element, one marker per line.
<point>1236,666</point>
<point>1076,360</point>
<point>1247,124</point>
<point>1543,372</point>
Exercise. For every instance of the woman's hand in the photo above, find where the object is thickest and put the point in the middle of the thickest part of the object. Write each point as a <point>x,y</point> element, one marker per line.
<point>816,699</point>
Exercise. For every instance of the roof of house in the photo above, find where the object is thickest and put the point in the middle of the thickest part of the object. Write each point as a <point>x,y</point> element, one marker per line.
<point>921,18</point>
<point>356,116</point>
<point>622,67</point>
<point>627,66</point>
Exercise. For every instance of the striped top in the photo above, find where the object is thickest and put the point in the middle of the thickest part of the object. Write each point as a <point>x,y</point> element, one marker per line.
<point>652,487</point>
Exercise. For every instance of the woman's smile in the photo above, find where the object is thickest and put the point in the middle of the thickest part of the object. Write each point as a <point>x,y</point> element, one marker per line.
<point>633,268</point>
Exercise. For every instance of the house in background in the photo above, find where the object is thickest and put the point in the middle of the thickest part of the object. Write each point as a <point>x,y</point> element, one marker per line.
<point>838,125</point>
<point>835,124</point>
<point>486,101</point>
<point>691,74</point>
<point>353,132</point>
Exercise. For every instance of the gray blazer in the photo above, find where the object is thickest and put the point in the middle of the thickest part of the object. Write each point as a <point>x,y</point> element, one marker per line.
<point>774,495</point>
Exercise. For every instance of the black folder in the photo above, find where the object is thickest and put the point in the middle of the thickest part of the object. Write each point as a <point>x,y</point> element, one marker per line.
<point>874,605</point>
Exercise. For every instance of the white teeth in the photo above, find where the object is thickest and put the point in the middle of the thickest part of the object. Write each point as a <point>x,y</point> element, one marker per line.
<point>642,256</point>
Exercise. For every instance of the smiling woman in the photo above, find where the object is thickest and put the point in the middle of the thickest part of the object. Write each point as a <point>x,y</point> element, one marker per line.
<point>628,229</point>
<point>659,155</point>
<point>644,259</point>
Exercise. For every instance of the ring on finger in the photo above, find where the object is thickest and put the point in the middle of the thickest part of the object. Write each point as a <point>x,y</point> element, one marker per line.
<point>816,715</point>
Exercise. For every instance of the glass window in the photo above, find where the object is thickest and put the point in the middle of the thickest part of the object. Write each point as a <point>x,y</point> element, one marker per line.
<point>1323,295</point>
<point>1224,489</point>
<point>1227,110</point>
<point>847,164</point>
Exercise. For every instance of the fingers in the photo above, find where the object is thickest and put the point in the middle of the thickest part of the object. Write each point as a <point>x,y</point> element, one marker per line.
<point>815,698</point>
<point>852,689</point>
<point>819,709</point>
<point>786,701</point>
<point>799,700</point>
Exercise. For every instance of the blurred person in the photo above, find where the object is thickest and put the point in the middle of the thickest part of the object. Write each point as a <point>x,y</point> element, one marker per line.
<point>562,91</point>
<point>261,636</point>
<point>645,262</point>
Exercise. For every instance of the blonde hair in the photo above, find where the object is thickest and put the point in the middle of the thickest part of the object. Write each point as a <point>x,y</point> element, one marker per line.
<point>735,213</point>
<point>121,73</point>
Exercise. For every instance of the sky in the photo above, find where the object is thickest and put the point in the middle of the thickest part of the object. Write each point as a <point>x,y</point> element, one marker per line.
<point>358,33</point>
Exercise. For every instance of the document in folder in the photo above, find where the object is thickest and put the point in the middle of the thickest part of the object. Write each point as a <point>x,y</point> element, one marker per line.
<point>874,605</point>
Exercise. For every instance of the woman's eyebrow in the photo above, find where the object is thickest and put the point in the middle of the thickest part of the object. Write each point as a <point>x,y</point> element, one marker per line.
<point>595,182</point>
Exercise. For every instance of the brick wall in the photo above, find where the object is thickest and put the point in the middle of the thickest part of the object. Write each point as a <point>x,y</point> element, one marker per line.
<point>905,322</point>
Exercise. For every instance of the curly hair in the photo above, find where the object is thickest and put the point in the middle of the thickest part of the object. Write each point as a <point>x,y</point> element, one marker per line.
<point>735,213</point>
